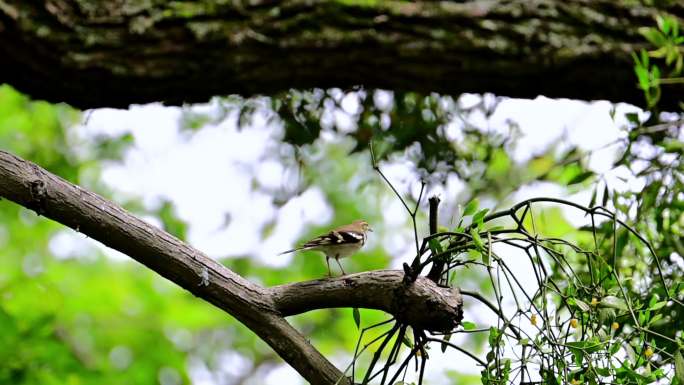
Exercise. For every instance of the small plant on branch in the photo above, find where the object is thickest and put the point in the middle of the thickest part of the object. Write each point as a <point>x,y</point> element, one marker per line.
<point>567,309</point>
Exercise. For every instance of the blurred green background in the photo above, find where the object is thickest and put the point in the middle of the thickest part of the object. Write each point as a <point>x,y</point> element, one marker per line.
<point>71,313</point>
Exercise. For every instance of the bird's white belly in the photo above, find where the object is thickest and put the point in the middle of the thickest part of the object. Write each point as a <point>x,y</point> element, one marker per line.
<point>339,251</point>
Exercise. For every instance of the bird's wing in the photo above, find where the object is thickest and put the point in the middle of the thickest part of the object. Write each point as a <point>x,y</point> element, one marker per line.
<point>336,237</point>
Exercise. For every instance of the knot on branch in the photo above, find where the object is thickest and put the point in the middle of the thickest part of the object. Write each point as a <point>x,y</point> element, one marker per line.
<point>38,191</point>
<point>425,305</point>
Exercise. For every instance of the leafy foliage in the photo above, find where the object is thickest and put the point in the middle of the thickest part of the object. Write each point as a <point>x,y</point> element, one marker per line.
<point>88,319</point>
<point>568,327</point>
<point>668,41</point>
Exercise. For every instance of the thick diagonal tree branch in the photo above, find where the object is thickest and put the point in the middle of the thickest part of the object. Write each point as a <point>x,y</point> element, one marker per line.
<point>261,309</point>
<point>33,187</point>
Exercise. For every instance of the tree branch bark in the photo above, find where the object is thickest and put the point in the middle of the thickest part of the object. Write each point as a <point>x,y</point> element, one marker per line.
<point>261,309</point>
<point>421,304</point>
<point>92,54</point>
<point>437,266</point>
<point>35,188</point>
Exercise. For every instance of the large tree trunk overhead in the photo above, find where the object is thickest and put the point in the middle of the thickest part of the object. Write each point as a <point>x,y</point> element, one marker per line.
<point>94,53</point>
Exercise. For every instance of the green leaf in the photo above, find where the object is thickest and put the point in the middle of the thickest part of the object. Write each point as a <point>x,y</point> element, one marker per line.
<point>632,117</point>
<point>654,36</point>
<point>655,72</point>
<point>644,58</point>
<point>614,302</point>
<point>478,243</point>
<point>467,325</point>
<point>657,305</point>
<point>591,345</point>
<point>581,177</point>
<point>643,77</point>
<point>653,300</point>
<point>471,207</point>
<point>493,338</point>
<point>477,218</point>
<point>679,366</point>
<point>446,338</point>
<point>577,354</point>
<point>675,27</point>
<point>606,315</point>
<point>664,24</point>
<point>673,145</point>
<point>582,305</point>
<point>407,341</point>
<point>614,348</point>
<point>435,247</point>
<point>357,317</point>
<point>671,55</point>
<point>605,372</point>
<point>655,319</point>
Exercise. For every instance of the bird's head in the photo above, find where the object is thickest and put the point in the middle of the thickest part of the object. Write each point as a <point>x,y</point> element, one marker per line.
<point>363,225</point>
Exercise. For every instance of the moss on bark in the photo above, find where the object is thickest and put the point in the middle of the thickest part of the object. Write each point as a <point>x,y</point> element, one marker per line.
<point>93,53</point>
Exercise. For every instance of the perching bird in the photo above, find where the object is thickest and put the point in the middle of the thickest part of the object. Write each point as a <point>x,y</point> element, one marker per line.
<point>338,243</point>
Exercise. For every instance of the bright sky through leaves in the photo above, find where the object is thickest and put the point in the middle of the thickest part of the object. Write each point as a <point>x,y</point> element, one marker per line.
<point>210,178</point>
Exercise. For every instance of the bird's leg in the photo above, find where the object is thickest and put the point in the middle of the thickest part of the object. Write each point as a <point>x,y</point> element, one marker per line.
<point>338,264</point>
<point>327,262</point>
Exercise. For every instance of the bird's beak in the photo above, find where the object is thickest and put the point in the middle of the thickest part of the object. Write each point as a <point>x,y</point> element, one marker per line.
<point>369,229</point>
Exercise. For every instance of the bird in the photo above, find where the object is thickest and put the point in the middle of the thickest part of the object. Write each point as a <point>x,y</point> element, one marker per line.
<point>338,243</point>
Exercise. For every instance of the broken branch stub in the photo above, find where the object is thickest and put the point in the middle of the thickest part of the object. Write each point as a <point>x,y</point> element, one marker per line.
<point>427,306</point>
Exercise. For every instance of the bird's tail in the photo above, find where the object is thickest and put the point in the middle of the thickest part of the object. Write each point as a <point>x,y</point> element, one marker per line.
<point>292,250</point>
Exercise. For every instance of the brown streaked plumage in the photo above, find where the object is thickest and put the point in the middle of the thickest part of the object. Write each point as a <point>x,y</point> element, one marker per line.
<point>338,243</point>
